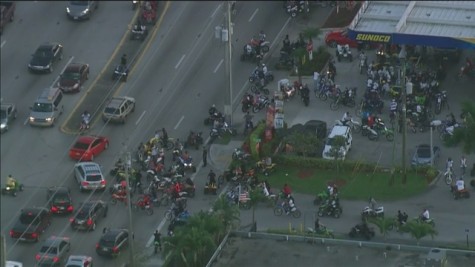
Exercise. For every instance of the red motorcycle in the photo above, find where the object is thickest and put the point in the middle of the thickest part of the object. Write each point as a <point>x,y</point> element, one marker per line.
<point>119,197</point>
<point>144,203</point>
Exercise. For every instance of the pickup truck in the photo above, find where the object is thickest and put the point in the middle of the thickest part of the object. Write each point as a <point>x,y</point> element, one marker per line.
<point>7,9</point>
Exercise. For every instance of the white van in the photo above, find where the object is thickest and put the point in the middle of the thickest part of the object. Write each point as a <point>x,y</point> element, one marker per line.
<point>338,130</point>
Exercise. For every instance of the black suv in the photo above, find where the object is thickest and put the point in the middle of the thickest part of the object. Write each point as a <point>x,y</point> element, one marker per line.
<point>88,215</point>
<point>59,200</point>
<point>112,242</point>
<point>45,56</point>
<point>31,223</point>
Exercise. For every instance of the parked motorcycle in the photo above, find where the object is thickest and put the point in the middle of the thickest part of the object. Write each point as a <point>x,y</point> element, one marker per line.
<point>139,32</point>
<point>144,203</point>
<point>247,102</point>
<point>362,230</point>
<point>440,102</point>
<point>12,190</point>
<point>368,212</point>
<point>223,129</point>
<point>260,103</point>
<point>240,155</point>
<point>368,131</point>
<point>343,52</point>
<point>268,77</point>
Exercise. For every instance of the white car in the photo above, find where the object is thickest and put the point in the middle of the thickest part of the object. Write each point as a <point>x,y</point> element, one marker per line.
<point>338,130</point>
<point>89,176</point>
<point>14,264</point>
<point>79,261</point>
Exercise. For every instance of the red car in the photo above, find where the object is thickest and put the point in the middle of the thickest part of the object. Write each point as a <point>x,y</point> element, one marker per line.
<point>87,147</point>
<point>339,37</point>
<point>73,77</point>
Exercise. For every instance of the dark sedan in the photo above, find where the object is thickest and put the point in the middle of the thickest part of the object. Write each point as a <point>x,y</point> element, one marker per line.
<point>73,77</point>
<point>422,156</point>
<point>45,56</point>
<point>81,10</point>
<point>59,200</point>
<point>88,215</point>
<point>112,242</point>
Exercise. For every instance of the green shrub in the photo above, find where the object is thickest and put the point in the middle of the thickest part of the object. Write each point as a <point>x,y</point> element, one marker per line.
<point>320,59</point>
<point>324,164</point>
<point>256,135</point>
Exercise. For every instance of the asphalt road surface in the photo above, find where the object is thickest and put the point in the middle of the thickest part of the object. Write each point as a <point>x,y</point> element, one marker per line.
<point>177,80</point>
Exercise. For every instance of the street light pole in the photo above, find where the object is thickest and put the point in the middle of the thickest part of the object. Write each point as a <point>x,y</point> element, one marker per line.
<point>128,167</point>
<point>402,57</point>
<point>226,38</point>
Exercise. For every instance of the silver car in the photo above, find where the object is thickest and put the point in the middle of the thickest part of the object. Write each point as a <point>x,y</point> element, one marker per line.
<point>422,156</point>
<point>89,176</point>
<point>53,251</point>
<point>8,114</point>
<point>79,261</point>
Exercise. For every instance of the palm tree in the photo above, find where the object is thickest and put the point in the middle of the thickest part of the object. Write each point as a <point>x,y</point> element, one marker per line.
<point>384,224</point>
<point>227,213</point>
<point>211,223</point>
<point>419,230</point>
<point>310,33</point>
<point>466,134</point>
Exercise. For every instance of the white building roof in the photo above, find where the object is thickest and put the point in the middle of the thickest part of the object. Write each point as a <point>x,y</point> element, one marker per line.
<point>434,18</point>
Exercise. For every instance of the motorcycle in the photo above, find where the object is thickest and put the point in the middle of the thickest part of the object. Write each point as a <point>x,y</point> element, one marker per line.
<point>330,208</point>
<point>240,155</point>
<point>441,101</point>
<point>194,139</point>
<point>117,197</point>
<point>144,204</point>
<point>253,56</point>
<point>260,103</point>
<point>288,209</point>
<point>468,71</point>
<point>264,168</point>
<point>120,73</point>
<point>268,77</point>
<point>458,194</point>
<point>321,198</point>
<point>247,102</point>
<point>221,130</point>
<point>294,8</point>
<point>288,91</point>
<point>12,190</point>
<point>362,230</point>
<point>217,116</point>
<point>187,164</point>
<point>368,212</point>
<point>84,125</point>
<point>210,189</point>
<point>368,131</point>
<point>343,51</point>
<point>381,129</point>
<point>341,99</point>
<point>428,221</point>
<point>257,88</point>
<point>177,151</point>
<point>321,231</point>
<point>354,125</point>
<point>264,46</point>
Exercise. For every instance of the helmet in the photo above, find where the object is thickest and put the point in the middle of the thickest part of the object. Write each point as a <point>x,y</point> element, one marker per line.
<point>394,100</point>
<point>263,65</point>
<point>213,106</point>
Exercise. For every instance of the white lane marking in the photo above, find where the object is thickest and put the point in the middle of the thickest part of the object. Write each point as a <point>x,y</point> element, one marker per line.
<point>216,10</point>
<point>280,32</point>
<point>253,14</point>
<point>178,123</point>
<point>140,118</point>
<point>219,65</point>
<point>3,43</point>
<point>26,121</point>
<point>179,62</point>
<point>162,223</point>
<point>57,78</point>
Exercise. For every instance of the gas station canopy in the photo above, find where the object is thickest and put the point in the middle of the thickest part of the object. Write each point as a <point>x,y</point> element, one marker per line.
<point>444,24</point>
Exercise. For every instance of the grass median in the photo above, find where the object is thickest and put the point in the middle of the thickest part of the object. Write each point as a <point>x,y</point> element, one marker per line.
<point>354,186</point>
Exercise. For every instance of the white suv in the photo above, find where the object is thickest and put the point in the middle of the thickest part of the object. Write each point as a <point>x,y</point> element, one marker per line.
<point>338,130</point>
<point>89,176</point>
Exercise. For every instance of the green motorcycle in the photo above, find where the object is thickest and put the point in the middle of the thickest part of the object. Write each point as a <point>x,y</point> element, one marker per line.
<point>321,231</point>
<point>321,197</point>
<point>381,129</point>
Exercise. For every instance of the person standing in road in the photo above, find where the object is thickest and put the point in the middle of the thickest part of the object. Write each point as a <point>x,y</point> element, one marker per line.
<point>123,60</point>
<point>157,241</point>
<point>205,156</point>
<point>463,165</point>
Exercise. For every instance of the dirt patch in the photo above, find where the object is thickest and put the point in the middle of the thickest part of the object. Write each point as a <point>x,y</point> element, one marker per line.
<point>343,18</point>
<point>304,174</point>
<point>338,182</point>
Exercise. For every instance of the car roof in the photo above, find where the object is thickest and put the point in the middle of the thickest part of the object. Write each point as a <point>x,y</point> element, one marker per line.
<point>116,102</point>
<point>73,67</point>
<point>33,210</point>
<point>338,130</point>
<point>90,167</point>
<point>90,204</point>
<point>112,234</point>
<point>54,241</point>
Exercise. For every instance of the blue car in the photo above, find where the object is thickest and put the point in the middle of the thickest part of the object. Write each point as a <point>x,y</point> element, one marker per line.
<point>422,156</point>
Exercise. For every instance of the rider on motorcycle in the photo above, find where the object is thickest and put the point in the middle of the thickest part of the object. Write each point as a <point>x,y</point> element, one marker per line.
<point>346,118</point>
<point>212,110</point>
<point>262,36</point>
<point>86,117</point>
<point>425,215</point>
<point>286,190</point>
<point>460,184</point>
<point>211,179</point>
<point>11,182</point>
<point>248,49</point>
<point>364,58</point>
<point>401,217</point>
<point>139,27</point>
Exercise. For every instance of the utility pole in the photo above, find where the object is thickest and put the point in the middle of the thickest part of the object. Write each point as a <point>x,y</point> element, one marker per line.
<point>402,59</point>
<point>226,37</point>
<point>128,168</point>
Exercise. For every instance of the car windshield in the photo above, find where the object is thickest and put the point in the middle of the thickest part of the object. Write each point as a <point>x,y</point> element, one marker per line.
<point>43,53</point>
<point>109,110</point>
<point>27,218</point>
<point>42,107</point>
<point>81,146</point>
<point>93,177</point>
<point>49,250</point>
<point>3,114</point>
<point>70,76</point>
<point>423,153</point>
<point>60,199</point>
<point>79,3</point>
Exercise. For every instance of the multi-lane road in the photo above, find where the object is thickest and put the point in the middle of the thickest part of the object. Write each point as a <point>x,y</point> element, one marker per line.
<point>174,83</point>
